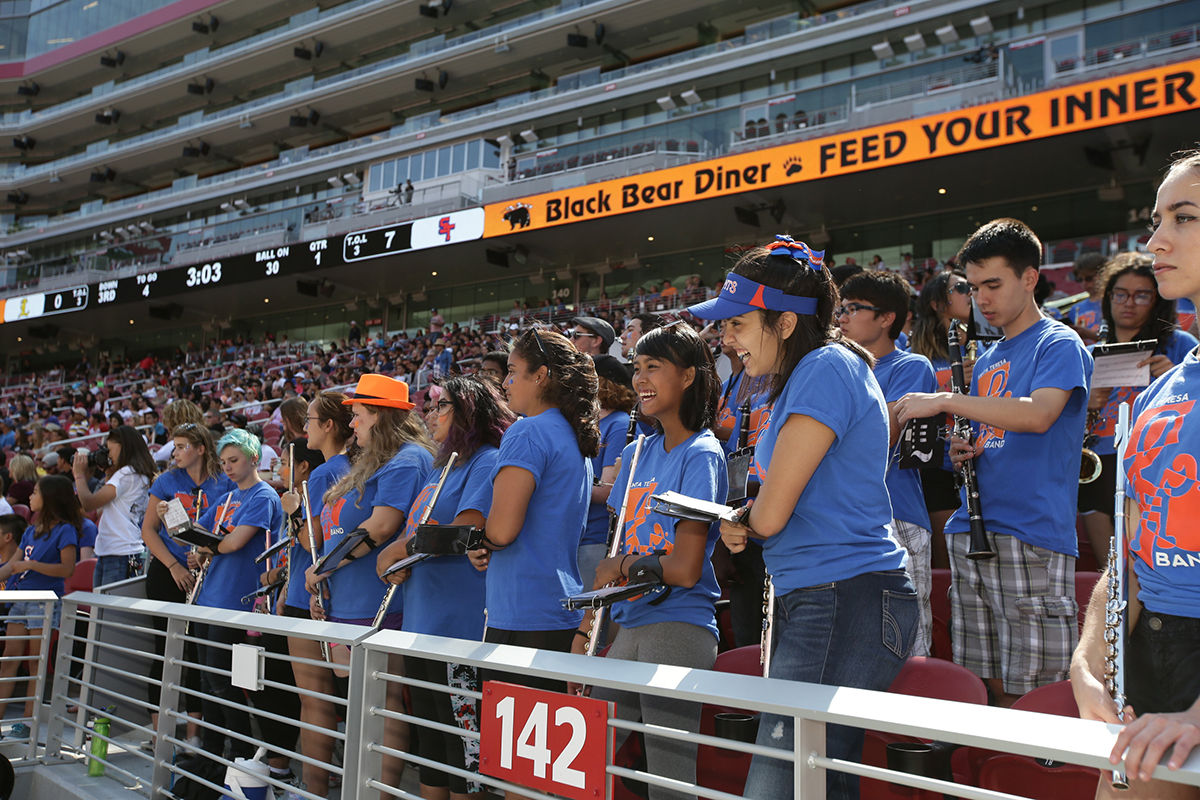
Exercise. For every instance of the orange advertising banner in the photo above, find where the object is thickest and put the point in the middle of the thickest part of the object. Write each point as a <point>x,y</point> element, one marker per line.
<point>1083,106</point>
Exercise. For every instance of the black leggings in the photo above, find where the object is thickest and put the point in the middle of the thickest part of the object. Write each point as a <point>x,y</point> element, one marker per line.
<point>161,586</point>
<point>443,748</point>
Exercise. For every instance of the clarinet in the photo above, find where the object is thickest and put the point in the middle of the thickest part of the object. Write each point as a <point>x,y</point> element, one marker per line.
<point>1118,594</point>
<point>979,548</point>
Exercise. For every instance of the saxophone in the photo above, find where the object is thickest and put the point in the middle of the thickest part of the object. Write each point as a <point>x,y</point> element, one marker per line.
<point>1118,595</point>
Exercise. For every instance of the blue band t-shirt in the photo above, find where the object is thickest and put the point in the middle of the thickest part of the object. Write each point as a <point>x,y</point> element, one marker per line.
<point>46,549</point>
<point>355,589</point>
<point>299,559</point>
<point>445,594</point>
<point>1024,489</point>
<point>695,468</point>
<point>528,579</point>
<point>898,374</point>
<point>176,483</point>
<point>1160,463</point>
<point>232,576</point>
<point>842,524</point>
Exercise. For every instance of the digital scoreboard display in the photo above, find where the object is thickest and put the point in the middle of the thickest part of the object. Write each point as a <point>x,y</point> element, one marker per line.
<point>175,283</point>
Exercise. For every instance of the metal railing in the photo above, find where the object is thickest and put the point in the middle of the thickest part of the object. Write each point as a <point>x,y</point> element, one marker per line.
<point>38,628</point>
<point>1110,55</point>
<point>118,628</point>
<point>925,85</point>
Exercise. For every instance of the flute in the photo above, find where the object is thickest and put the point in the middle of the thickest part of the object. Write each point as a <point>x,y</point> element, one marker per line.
<point>979,547</point>
<point>615,546</point>
<point>425,515</point>
<point>1118,593</point>
<point>312,549</point>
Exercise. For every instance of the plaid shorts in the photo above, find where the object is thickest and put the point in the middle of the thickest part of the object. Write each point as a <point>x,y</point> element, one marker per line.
<point>1015,615</point>
<point>917,541</point>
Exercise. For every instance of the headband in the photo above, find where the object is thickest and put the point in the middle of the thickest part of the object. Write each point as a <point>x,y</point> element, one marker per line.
<point>787,246</point>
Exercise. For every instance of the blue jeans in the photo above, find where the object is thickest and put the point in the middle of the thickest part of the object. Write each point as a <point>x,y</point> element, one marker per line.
<point>110,569</point>
<point>856,633</point>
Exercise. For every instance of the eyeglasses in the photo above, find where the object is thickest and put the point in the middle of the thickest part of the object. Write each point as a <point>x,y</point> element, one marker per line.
<point>1142,297</point>
<point>850,309</point>
<point>961,287</point>
<point>443,406</point>
<point>313,419</point>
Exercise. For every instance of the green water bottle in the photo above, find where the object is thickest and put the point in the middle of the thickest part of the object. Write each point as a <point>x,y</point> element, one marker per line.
<point>103,727</point>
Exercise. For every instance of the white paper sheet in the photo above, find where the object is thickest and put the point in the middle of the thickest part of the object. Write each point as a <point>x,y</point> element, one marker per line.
<point>176,514</point>
<point>1121,369</point>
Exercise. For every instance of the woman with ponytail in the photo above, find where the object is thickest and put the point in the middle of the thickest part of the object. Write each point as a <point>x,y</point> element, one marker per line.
<point>328,429</point>
<point>540,494</point>
<point>374,496</point>
<point>823,510</point>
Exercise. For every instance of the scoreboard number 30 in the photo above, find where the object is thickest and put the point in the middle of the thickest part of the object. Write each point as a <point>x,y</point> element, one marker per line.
<point>545,740</point>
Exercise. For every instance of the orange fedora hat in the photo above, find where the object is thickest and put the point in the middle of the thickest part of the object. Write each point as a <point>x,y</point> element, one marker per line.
<point>380,390</point>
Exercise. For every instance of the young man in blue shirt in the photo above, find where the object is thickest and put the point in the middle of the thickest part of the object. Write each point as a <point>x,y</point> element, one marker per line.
<point>873,312</point>
<point>1014,615</point>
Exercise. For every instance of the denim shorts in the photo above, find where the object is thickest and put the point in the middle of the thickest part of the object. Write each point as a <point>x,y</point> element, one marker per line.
<point>34,612</point>
<point>1162,663</point>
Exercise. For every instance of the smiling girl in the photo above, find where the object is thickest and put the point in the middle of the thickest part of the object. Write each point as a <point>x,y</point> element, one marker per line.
<point>676,382</point>
<point>823,509</point>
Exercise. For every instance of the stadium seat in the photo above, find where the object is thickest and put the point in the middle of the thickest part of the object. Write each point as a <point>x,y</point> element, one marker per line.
<point>939,595</point>
<point>1026,777</point>
<point>920,677</point>
<point>81,578</point>
<point>717,768</point>
<point>23,510</point>
<point>272,434</point>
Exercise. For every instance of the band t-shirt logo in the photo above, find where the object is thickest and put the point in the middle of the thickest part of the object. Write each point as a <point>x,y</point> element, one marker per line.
<point>1160,464</point>
<point>641,537</point>
<point>1086,314</point>
<point>992,383</point>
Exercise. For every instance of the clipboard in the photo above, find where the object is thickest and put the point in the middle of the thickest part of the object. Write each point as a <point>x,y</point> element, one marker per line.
<point>445,540</point>
<point>919,443</point>
<point>184,530</point>
<point>680,506</point>
<point>607,596</point>
<point>337,556</point>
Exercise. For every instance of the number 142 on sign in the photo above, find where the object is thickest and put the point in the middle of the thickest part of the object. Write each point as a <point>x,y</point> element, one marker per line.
<point>548,741</point>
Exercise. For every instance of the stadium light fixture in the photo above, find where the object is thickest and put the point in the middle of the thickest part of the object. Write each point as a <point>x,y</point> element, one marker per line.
<point>666,103</point>
<point>915,42</point>
<point>529,135</point>
<point>692,97</point>
<point>883,51</point>
<point>982,26</point>
<point>947,34</point>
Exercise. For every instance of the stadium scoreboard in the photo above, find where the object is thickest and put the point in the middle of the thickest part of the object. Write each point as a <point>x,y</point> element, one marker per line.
<point>174,284</point>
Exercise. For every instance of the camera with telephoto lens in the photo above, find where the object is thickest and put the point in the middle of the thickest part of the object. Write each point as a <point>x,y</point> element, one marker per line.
<point>99,459</point>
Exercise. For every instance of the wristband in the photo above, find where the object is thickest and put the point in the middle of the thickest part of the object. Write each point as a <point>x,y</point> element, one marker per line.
<point>370,543</point>
<point>584,634</point>
<point>621,567</point>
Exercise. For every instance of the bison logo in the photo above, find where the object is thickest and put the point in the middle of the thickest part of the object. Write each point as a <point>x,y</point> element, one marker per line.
<point>517,216</point>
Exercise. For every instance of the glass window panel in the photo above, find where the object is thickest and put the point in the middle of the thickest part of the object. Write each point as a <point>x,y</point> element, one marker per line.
<point>389,174</point>
<point>458,162</point>
<point>443,162</point>
<point>473,154</point>
<point>491,156</point>
<point>401,169</point>
<point>375,180</point>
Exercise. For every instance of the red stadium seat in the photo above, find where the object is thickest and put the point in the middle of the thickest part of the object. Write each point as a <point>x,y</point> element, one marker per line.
<point>939,595</point>
<point>1053,698</point>
<point>23,510</point>
<point>920,677</point>
<point>81,578</point>
<point>1025,777</point>
<point>717,768</point>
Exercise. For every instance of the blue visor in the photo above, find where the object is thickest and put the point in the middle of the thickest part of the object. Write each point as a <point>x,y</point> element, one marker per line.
<point>740,295</point>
